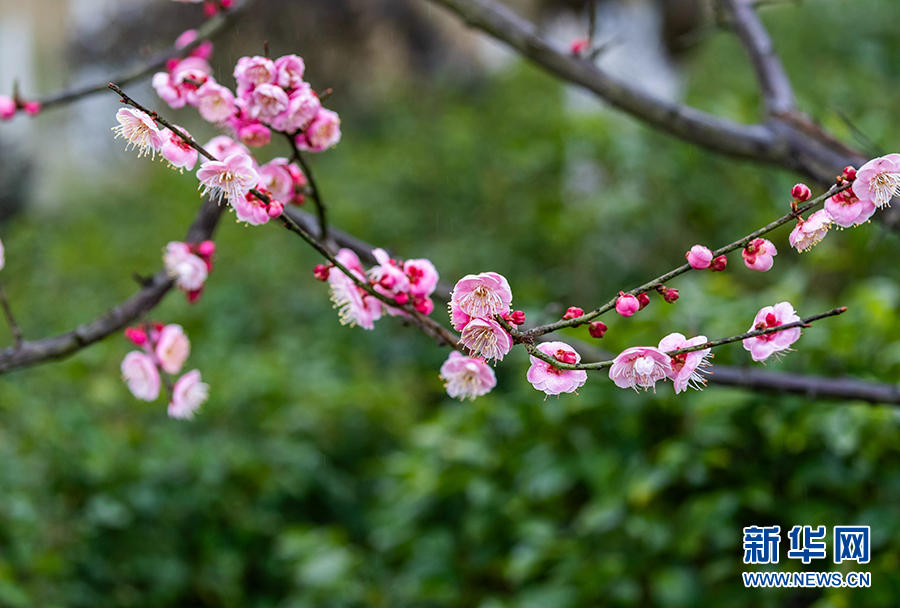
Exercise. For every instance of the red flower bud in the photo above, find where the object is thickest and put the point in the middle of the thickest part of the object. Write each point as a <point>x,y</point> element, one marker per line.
<point>572,313</point>
<point>597,329</point>
<point>643,300</point>
<point>206,249</point>
<point>401,298</point>
<point>275,209</point>
<point>849,173</point>
<point>516,317</point>
<point>137,335</point>
<point>321,272</point>
<point>719,264</point>
<point>801,193</point>
<point>671,295</point>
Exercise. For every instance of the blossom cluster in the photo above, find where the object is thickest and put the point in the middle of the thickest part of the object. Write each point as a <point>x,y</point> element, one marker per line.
<point>404,282</point>
<point>164,349</point>
<point>270,94</point>
<point>189,265</point>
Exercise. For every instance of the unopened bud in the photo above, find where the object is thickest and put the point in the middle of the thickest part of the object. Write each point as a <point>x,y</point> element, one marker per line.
<point>321,272</point>
<point>7,107</point>
<point>401,298</point>
<point>572,313</point>
<point>565,356</point>
<point>627,305</point>
<point>643,300</point>
<point>275,209</point>
<point>516,317</point>
<point>136,335</point>
<point>699,257</point>
<point>32,108</point>
<point>719,264</point>
<point>206,249</point>
<point>424,305</point>
<point>597,329</point>
<point>801,193</point>
<point>671,295</point>
<point>579,45</point>
<point>849,173</point>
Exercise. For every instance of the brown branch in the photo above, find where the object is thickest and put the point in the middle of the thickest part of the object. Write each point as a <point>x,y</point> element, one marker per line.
<point>790,142</point>
<point>208,30</point>
<point>30,353</point>
<point>322,212</point>
<point>14,327</point>
<point>777,91</point>
<point>765,380</point>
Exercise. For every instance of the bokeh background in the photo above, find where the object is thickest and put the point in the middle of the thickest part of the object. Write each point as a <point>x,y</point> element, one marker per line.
<point>329,468</point>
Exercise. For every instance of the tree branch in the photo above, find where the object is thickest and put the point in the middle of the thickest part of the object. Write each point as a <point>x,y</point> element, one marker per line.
<point>210,29</point>
<point>29,353</point>
<point>777,91</point>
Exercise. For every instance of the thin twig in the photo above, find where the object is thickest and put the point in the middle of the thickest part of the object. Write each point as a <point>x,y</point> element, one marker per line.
<point>14,327</point>
<point>313,187</point>
<point>208,30</point>
<point>738,244</point>
<point>533,350</point>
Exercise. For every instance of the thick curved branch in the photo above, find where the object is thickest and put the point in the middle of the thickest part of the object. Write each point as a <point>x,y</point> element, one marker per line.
<point>777,91</point>
<point>686,122</point>
<point>33,352</point>
<point>790,142</point>
<point>208,30</point>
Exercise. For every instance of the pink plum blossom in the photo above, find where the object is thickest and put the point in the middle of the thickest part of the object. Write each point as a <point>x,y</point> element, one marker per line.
<point>627,304</point>
<point>139,130</point>
<point>189,271</point>
<point>686,367</point>
<point>355,306</point>
<point>640,366</point>
<point>251,72</point>
<point>141,375</point>
<point>552,380</point>
<point>878,180</point>
<point>809,232</point>
<point>222,147</point>
<point>202,50</point>
<point>847,210</point>
<point>423,277</point>
<point>266,102</point>
<point>487,338</point>
<point>699,257</point>
<point>322,133</point>
<point>172,348</point>
<point>178,152</point>
<point>303,106</point>
<point>482,295</point>
<point>188,394</point>
<point>758,255</point>
<point>763,347</point>
<point>289,71</point>
<point>168,91</point>
<point>255,135</point>
<point>32,108</point>
<point>251,209</point>
<point>467,377</point>
<point>7,107</point>
<point>388,277</point>
<point>215,102</point>
<point>231,178</point>
<point>458,318</point>
<point>277,179</point>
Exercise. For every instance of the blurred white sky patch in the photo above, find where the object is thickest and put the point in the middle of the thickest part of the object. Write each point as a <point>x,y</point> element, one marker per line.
<point>634,51</point>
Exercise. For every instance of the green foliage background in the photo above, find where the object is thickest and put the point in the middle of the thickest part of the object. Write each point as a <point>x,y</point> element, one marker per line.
<point>330,469</point>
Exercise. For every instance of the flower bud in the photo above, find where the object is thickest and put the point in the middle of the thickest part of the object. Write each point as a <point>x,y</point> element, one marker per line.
<point>516,317</point>
<point>670,295</point>
<point>579,45</point>
<point>597,329</point>
<point>643,300</point>
<point>699,257</point>
<point>401,298</point>
<point>565,356</point>
<point>32,108</point>
<point>137,335</point>
<point>801,193</point>
<point>193,296</point>
<point>275,209</point>
<point>627,305</point>
<point>7,107</point>
<point>206,249</point>
<point>424,305</point>
<point>572,313</point>
<point>719,264</point>
<point>849,173</point>
<point>321,272</point>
